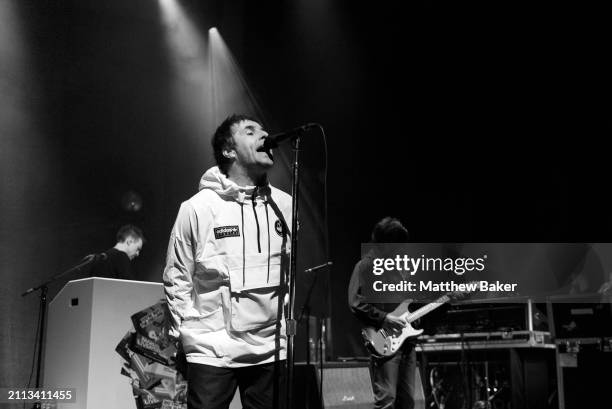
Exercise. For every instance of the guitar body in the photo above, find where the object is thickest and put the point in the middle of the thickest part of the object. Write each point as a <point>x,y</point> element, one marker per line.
<point>384,342</point>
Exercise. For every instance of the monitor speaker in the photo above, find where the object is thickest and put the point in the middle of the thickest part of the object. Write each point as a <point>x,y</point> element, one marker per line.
<point>345,386</point>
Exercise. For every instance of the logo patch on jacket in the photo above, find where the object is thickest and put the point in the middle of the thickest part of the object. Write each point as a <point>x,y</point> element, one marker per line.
<point>278,227</point>
<point>226,231</point>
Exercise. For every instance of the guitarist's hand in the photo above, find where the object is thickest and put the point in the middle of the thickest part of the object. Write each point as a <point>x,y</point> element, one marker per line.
<point>394,323</point>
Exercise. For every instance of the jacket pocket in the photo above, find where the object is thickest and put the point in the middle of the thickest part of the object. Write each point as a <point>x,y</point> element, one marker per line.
<point>253,272</point>
<point>255,309</point>
<point>196,333</point>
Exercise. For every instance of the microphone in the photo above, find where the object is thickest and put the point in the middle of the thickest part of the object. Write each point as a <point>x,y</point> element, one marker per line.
<point>315,268</point>
<point>272,141</point>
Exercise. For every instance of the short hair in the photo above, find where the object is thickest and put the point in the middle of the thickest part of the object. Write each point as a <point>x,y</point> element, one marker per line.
<point>389,230</point>
<point>222,139</point>
<point>129,230</point>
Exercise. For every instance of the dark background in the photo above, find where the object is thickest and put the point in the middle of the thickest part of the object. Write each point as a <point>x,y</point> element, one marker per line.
<point>470,122</point>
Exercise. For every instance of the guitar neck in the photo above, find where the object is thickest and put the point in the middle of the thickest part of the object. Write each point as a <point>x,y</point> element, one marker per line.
<point>426,309</point>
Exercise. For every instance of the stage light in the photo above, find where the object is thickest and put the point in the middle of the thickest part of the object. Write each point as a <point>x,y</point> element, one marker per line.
<point>131,201</point>
<point>183,39</point>
<point>230,90</point>
<point>188,58</point>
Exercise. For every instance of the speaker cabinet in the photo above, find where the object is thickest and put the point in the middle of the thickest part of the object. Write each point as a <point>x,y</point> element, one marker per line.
<point>345,385</point>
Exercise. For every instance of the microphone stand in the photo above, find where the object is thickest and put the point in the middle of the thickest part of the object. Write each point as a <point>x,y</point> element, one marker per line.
<point>306,310</point>
<point>306,306</point>
<point>291,323</point>
<point>44,287</point>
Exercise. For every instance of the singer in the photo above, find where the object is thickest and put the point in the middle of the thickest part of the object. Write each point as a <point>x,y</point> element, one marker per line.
<point>225,275</point>
<point>116,262</point>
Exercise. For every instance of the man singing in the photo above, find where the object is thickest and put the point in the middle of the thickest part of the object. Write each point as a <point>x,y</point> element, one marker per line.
<point>225,275</point>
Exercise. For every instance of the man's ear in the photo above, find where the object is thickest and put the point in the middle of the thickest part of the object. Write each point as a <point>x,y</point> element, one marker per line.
<point>129,240</point>
<point>229,153</point>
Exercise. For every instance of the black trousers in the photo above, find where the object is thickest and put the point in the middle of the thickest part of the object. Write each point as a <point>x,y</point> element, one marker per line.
<point>261,386</point>
<point>394,379</point>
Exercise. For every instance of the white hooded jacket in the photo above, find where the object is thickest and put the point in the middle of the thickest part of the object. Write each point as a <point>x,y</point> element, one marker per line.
<point>223,277</point>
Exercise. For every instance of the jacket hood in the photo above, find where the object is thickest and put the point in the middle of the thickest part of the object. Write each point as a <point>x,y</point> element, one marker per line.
<point>216,181</point>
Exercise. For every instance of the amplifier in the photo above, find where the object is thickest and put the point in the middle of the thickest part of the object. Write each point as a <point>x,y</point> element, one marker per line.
<point>345,385</point>
<point>581,325</point>
<point>575,345</point>
<point>503,315</point>
<point>580,316</point>
<point>485,340</point>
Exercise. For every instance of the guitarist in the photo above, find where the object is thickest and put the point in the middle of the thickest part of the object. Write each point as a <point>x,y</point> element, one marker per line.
<point>393,378</point>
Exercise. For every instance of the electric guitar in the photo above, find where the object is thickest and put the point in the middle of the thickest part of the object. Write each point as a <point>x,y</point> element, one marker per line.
<point>384,342</point>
